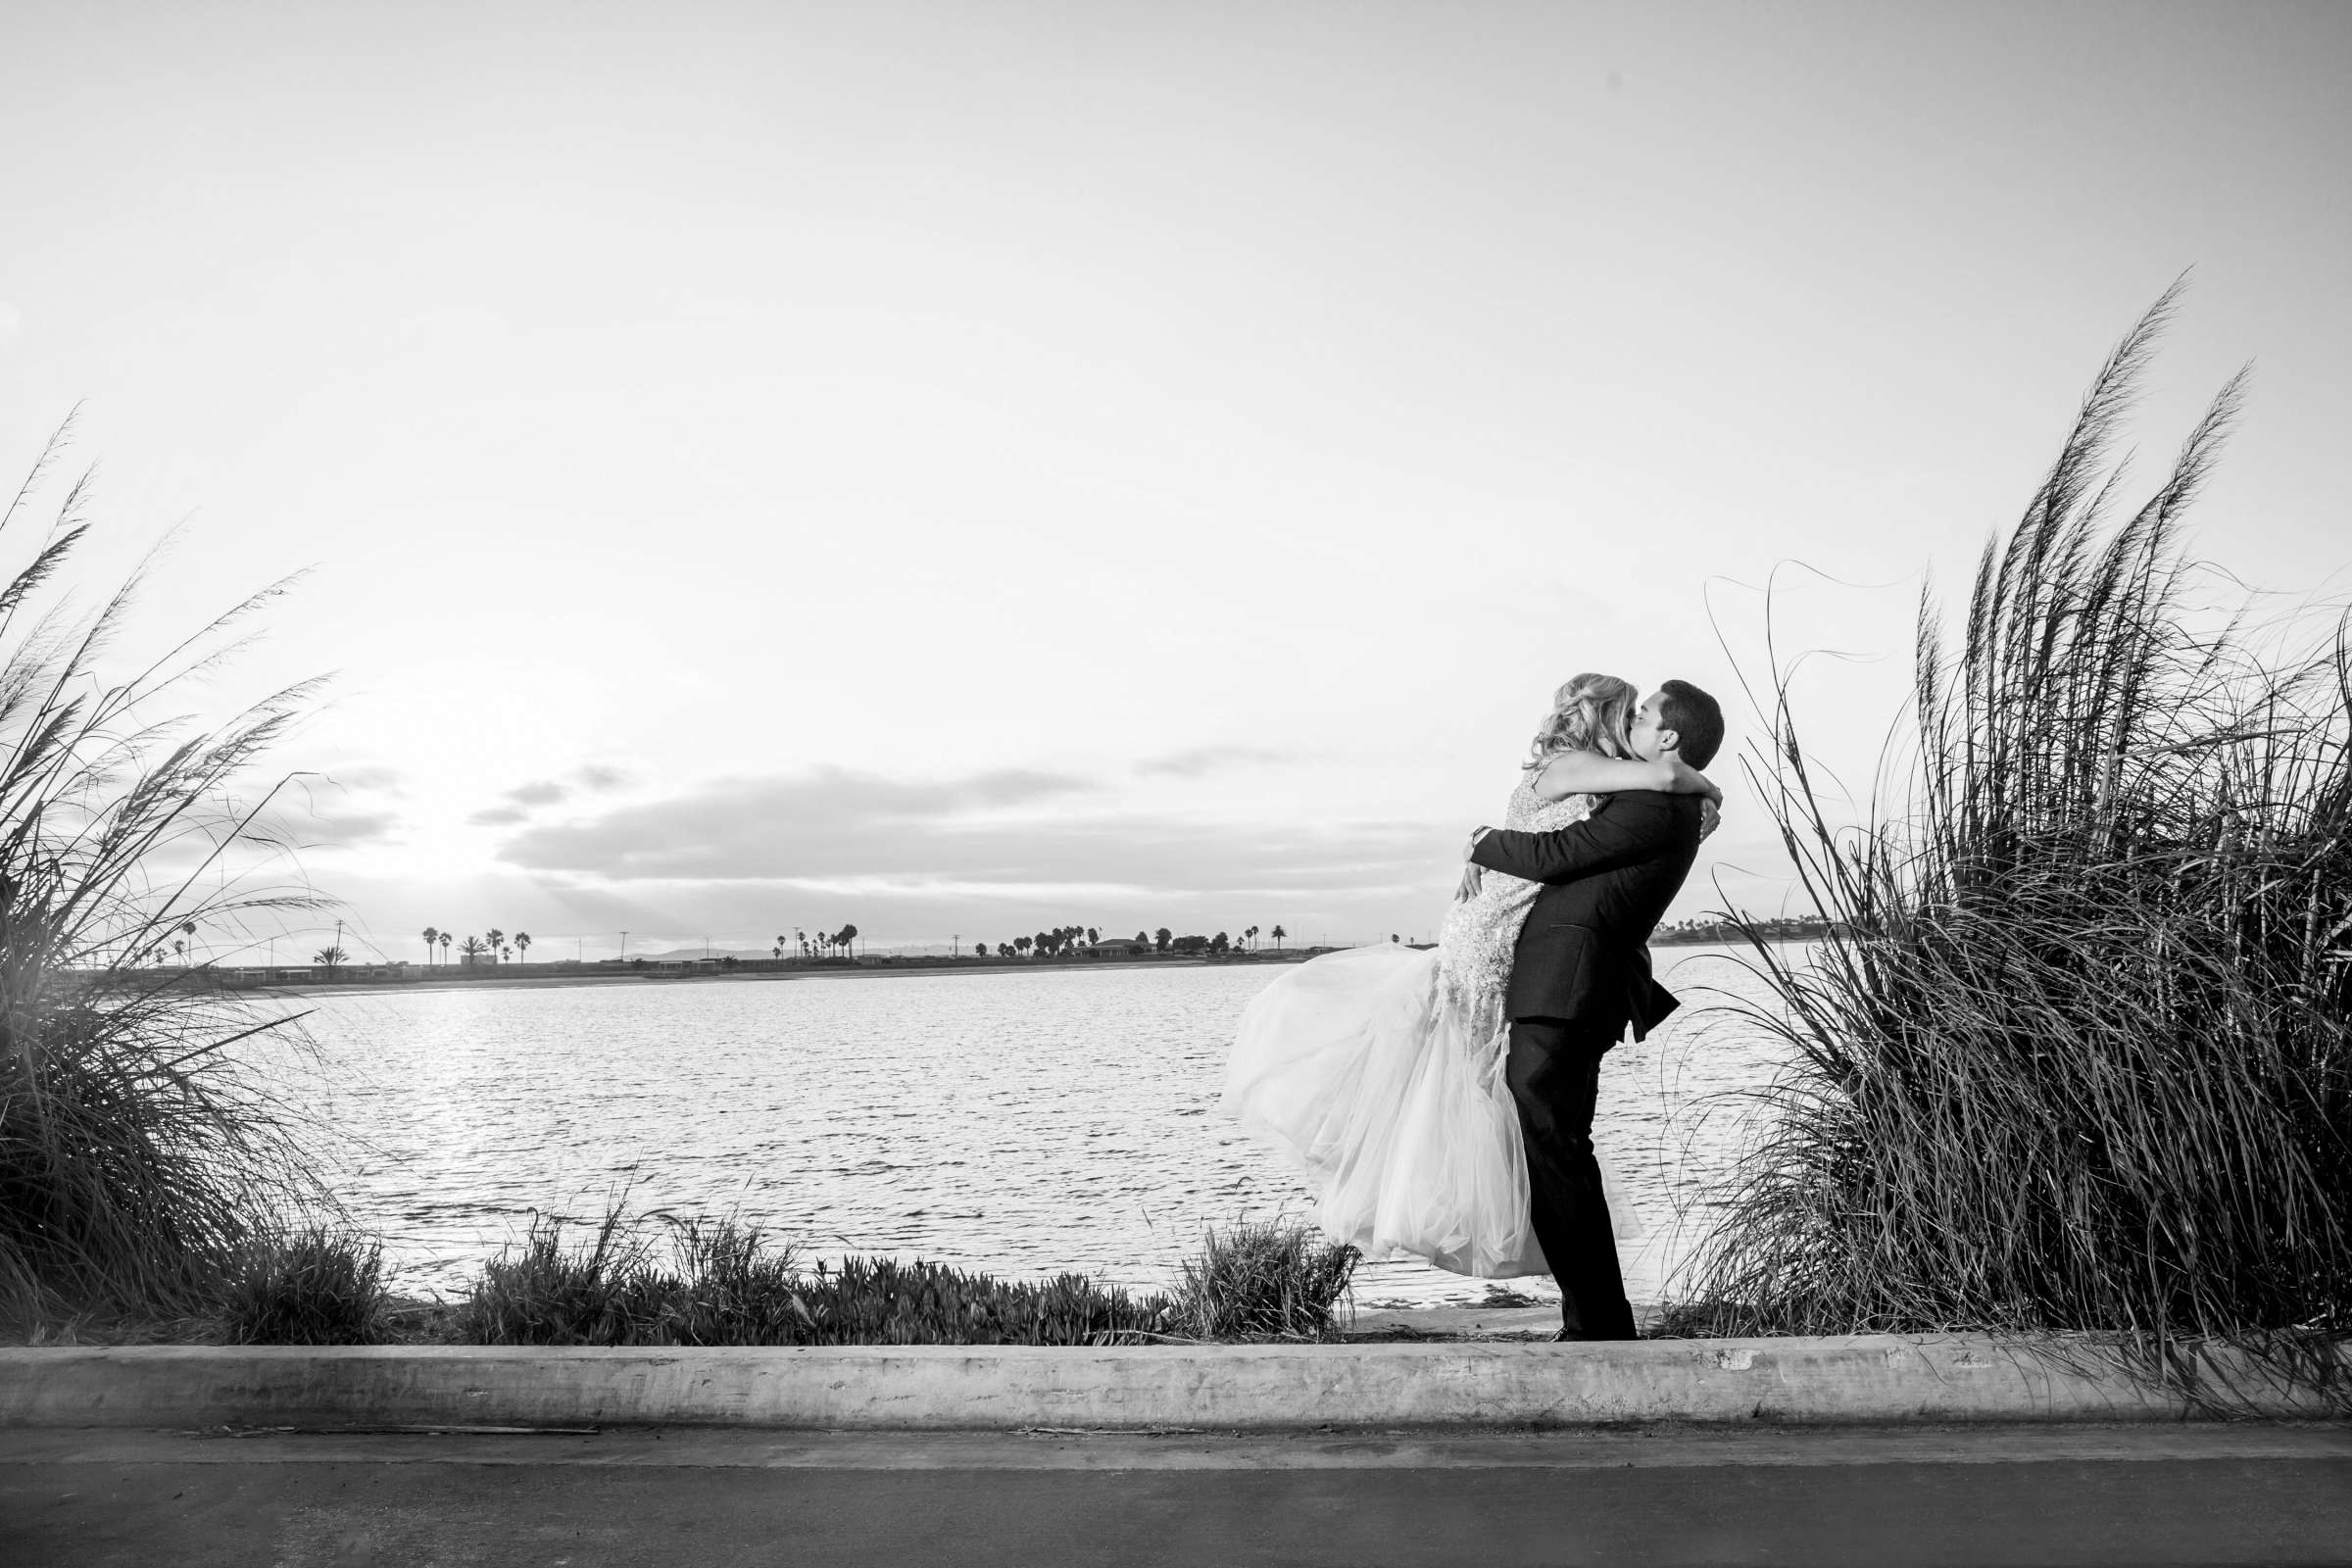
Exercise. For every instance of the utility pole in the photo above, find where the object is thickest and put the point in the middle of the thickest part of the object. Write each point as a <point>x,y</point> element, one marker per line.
<point>956,946</point>
<point>624,947</point>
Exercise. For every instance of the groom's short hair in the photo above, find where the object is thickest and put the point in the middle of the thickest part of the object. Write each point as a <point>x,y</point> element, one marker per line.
<point>1695,718</point>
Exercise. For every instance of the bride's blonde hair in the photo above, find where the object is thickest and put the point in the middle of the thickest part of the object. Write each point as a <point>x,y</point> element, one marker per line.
<point>1590,713</point>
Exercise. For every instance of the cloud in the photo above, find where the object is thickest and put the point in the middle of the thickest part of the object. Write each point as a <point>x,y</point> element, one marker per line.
<point>545,792</point>
<point>841,829</point>
<point>368,776</point>
<point>1202,759</point>
<point>542,791</point>
<point>12,321</point>
<point>340,830</point>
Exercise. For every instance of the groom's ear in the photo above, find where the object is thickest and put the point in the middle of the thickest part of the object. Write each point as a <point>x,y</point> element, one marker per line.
<point>1670,740</point>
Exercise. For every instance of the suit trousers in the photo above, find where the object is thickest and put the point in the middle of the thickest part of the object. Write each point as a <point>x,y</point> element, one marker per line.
<point>1554,1077</point>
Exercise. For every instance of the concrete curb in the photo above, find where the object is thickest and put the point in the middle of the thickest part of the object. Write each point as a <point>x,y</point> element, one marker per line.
<point>1857,1379</point>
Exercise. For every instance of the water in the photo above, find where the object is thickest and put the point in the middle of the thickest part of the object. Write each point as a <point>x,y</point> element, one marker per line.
<point>1024,1122</point>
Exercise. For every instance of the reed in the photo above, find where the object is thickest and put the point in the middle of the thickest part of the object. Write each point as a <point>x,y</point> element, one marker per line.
<point>138,1156</point>
<point>2076,1052</point>
<point>316,1284</point>
<point>604,1288</point>
<point>1266,1280</point>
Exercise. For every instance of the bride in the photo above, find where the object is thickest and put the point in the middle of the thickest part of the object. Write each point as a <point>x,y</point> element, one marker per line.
<point>1378,1069</point>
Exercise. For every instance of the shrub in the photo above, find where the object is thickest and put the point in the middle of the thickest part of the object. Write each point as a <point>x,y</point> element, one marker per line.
<point>724,1283</point>
<point>883,1302</point>
<point>1277,1279</point>
<point>314,1285</point>
<point>2076,1052</point>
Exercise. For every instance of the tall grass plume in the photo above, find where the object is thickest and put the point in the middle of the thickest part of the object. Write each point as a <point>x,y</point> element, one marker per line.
<point>2077,1055</point>
<point>137,1155</point>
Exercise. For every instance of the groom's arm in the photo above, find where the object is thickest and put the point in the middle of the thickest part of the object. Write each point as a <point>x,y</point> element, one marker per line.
<point>1633,827</point>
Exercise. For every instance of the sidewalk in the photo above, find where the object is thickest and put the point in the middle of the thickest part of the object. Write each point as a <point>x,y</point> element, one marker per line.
<point>1978,1495</point>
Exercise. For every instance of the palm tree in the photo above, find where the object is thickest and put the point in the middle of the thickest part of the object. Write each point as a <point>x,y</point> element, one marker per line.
<point>1021,944</point>
<point>432,936</point>
<point>445,941</point>
<point>471,950</point>
<point>849,940</point>
<point>522,945</point>
<point>179,951</point>
<point>496,936</point>
<point>1250,934</point>
<point>1278,933</point>
<point>331,958</point>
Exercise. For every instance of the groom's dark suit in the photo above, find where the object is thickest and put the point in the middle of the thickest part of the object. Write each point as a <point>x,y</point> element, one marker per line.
<point>1579,975</point>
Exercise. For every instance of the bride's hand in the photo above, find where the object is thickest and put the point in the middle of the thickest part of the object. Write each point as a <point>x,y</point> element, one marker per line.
<point>1472,876</point>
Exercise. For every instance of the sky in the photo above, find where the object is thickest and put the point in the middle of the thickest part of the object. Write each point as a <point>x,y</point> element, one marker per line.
<point>962,469</point>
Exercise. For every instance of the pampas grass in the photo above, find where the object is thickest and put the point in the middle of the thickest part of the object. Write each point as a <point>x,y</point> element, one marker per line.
<point>138,1155</point>
<point>2077,1055</point>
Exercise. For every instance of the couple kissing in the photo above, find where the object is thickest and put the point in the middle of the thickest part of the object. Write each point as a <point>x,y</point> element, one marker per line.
<point>1441,1100</point>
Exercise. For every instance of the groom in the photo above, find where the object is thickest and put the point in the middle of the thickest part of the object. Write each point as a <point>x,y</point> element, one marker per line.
<point>1579,975</point>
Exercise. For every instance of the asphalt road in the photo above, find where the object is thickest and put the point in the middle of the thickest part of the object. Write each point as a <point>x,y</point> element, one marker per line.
<point>689,1497</point>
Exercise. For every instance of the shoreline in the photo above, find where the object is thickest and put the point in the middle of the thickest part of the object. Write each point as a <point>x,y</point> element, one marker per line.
<point>860,969</point>
<point>648,976</point>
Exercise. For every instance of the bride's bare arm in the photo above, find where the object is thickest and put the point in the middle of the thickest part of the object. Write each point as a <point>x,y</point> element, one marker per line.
<point>1592,774</point>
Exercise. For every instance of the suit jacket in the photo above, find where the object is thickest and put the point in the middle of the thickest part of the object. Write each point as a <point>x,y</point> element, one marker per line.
<point>1583,954</point>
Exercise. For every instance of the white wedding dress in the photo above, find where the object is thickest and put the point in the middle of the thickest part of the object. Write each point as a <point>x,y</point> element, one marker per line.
<point>1379,1072</point>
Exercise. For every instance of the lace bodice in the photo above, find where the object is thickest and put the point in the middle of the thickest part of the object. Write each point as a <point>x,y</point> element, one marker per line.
<point>1474,962</point>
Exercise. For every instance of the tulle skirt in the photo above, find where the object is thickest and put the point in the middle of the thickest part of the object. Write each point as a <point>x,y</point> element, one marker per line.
<point>1393,1102</point>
